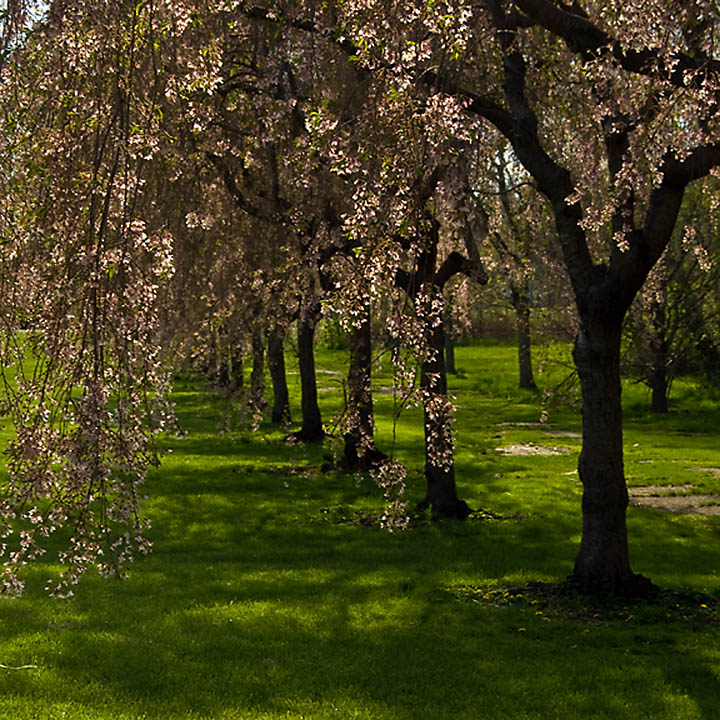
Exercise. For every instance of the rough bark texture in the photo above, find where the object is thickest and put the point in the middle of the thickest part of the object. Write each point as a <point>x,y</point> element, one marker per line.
<point>276,364</point>
<point>360,451</point>
<point>312,429</point>
<point>602,564</point>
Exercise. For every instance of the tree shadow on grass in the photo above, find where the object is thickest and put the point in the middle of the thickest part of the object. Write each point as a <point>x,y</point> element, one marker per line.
<point>342,647</point>
<point>253,605</point>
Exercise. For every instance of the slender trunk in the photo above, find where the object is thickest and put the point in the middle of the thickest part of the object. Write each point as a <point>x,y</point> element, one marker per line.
<point>659,386</point>
<point>659,382</point>
<point>312,429</point>
<point>223,369</point>
<point>602,564</point>
<point>360,451</point>
<point>223,373</point>
<point>449,346</point>
<point>235,368</point>
<point>276,364</point>
<point>439,462</point>
<point>257,376</point>
<point>521,303</point>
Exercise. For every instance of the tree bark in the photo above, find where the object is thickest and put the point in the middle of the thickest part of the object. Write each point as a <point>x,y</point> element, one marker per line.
<point>257,375</point>
<point>659,384</point>
<point>439,462</point>
<point>235,368</point>
<point>312,428</point>
<point>228,361</point>
<point>521,304</point>
<point>276,364</point>
<point>223,373</point>
<point>449,346</point>
<point>360,451</point>
<point>658,373</point>
<point>602,564</point>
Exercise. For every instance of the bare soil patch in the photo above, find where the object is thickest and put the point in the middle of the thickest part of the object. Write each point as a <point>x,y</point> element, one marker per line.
<point>675,498</point>
<point>521,424</point>
<point>659,490</point>
<point>563,433</point>
<point>712,470</point>
<point>531,450</point>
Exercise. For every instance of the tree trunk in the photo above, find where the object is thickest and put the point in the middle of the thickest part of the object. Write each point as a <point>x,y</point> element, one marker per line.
<point>276,364</point>
<point>449,346</point>
<point>659,383</point>
<point>223,373</point>
<point>360,451</point>
<point>312,429</point>
<point>439,462</point>
<point>602,564</point>
<point>235,368</point>
<point>521,303</point>
<point>257,375</point>
<point>659,386</point>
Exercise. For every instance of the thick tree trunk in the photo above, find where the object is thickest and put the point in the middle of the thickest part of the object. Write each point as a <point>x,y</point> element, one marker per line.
<point>521,303</point>
<point>439,462</point>
<point>360,451</point>
<point>602,564</point>
<point>276,364</point>
<point>312,429</point>
<point>257,375</point>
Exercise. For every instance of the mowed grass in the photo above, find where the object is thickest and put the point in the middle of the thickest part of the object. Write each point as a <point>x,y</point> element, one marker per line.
<point>266,596</point>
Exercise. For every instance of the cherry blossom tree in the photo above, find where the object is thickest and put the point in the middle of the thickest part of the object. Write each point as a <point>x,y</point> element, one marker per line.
<point>348,128</point>
<point>84,260</point>
<point>672,325</point>
<point>611,109</point>
<point>644,83</point>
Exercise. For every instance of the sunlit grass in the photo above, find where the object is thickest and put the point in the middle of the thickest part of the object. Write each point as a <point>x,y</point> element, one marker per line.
<point>265,598</point>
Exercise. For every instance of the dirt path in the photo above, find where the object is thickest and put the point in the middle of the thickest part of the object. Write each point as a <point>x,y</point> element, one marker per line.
<point>676,498</point>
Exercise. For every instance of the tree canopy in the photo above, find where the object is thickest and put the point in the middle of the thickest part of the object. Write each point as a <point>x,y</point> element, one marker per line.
<point>176,170</point>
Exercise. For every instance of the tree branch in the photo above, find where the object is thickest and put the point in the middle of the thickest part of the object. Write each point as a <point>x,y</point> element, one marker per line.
<point>456,263</point>
<point>582,37</point>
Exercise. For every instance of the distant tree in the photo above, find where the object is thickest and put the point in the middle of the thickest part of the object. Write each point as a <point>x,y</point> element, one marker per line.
<point>672,326</point>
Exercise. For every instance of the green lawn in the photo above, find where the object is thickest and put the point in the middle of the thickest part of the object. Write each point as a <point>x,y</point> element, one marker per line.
<point>266,597</point>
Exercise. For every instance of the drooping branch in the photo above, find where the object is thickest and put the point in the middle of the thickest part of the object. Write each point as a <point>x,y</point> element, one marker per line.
<point>239,197</point>
<point>582,36</point>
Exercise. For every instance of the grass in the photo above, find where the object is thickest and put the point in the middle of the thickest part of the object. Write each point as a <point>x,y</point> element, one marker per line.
<point>265,598</point>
